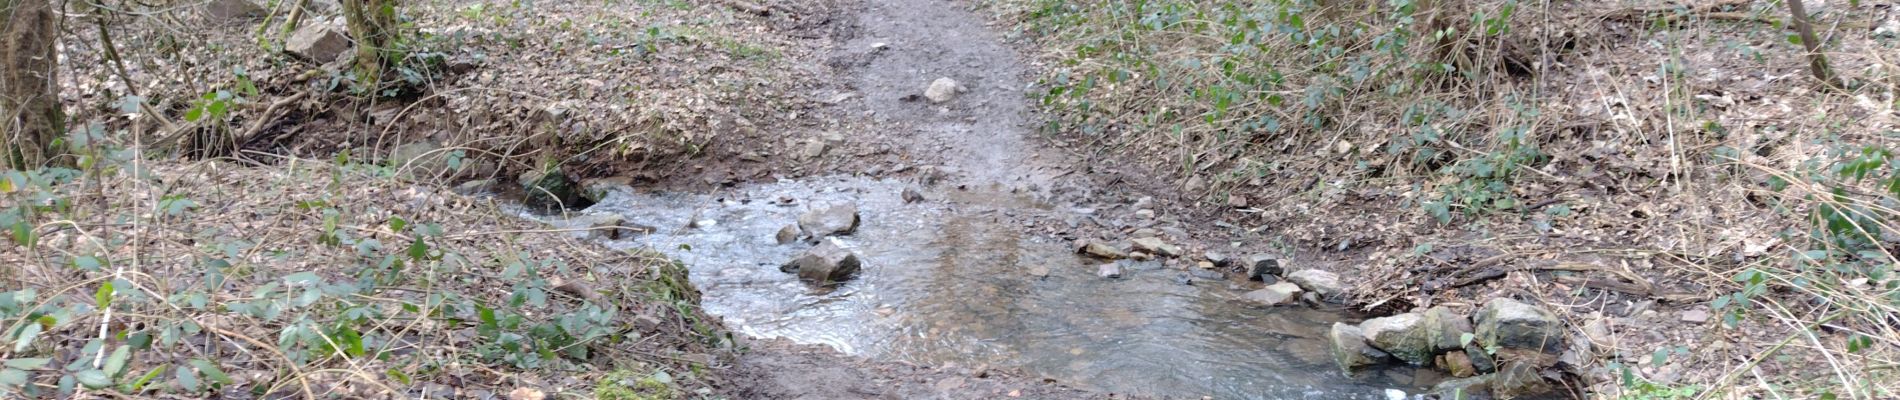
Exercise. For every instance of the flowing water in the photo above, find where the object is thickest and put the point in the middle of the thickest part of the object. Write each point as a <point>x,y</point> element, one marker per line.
<point>949,280</point>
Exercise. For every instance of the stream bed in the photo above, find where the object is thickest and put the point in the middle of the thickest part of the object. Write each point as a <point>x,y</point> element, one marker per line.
<point>949,280</point>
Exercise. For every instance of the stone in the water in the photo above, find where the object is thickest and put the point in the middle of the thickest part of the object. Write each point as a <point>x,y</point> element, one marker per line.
<point>1039,271</point>
<point>1261,266</point>
<point>1326,284</point>
<point>1145,213</point>
<point>1109,270</point>
<point>787,235</point>
<point>912,196</point>
<point>942,90</point>
<point>1509,324</point>
<point>609,227</point>
<point>825,264</point>
<point>1207,275</point>
<point>1445,329</point>
<point>1099,249</point>
<point>550,189</point>
<point>1275,294</point>
<point>834,220</point>
<point>1350,350</point>
<point>319,43</point>
<point>597,189</point>
<point>1473,388</point>
<point>1156,246</point>
<point>1394,394</point>
<point>1402,336</point>
<point>1219,259</point>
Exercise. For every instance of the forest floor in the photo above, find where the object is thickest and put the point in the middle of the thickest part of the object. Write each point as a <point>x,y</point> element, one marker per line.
<point>1637,245</point>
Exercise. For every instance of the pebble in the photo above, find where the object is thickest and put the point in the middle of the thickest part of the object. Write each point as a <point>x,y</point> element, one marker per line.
<point>1110,270</point>
<point>1695,316</point>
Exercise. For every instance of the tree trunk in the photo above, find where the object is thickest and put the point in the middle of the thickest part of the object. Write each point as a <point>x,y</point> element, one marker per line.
<point>373,24</point>
<point>30,116</point>
<point>1817,61</point>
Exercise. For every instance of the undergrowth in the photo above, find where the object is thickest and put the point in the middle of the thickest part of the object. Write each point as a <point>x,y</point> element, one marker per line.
<point>138,277</point>
<point>1528,124</point>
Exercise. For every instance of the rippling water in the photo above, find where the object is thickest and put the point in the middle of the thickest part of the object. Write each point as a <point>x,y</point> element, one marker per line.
<point>948,280</point>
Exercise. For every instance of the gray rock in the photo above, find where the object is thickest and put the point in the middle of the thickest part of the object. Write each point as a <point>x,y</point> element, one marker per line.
<point>1326,284</point>
<point>1156,246</point>
<point>1207,275</point>
<point>319,43</point>
<point>1695,316</point>
<point>1458,364</point>
<point>550,188</point>
<point>1509,324</point>
<point>1350,350</point>
<point>1109,270</point>
<point>912,196</point>
<point>1403,336</point>
<point>1219,259</point>
<point>1261,266</point>
<point>225,11</point>
<point>1481,359</point>
<point>787,235</point>
<point>825,264</point>
<point>1099,249</point>
<point>834,220</point>
<point>1039,271</point>
<point>1445,329</point>
<point>942,90</point>
<point>475,187</point>
<point>419,160</point>
<point>597,189</point>
<point>1473,388</point>
<point>610,227</point>
<point>1275,294</point>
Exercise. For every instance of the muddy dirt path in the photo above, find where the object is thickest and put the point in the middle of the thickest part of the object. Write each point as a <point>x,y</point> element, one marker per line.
<point>984,136</point>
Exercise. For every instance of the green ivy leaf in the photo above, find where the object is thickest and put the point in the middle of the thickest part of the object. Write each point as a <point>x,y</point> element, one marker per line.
<point>115,364</point>
<point>26,336</point>
<point>211,371</point>
<point>103,297</point>
<point>187,380</point>
<point>27,363</point>
<point>93,379</point>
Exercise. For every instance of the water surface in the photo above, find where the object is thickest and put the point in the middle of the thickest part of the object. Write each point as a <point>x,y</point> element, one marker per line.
<point>949,280</point>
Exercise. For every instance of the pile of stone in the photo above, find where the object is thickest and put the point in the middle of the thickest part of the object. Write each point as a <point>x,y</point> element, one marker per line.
<point>828,262</point>
<point>1501,358</point>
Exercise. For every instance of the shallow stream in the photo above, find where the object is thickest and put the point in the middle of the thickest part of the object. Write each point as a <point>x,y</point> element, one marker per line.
<point>953,280</point>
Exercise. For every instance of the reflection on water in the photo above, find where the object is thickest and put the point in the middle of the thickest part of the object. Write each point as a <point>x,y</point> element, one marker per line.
<point>949,281</point>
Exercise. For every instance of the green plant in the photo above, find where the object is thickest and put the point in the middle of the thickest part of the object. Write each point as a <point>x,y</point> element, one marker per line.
<point>623,384</point>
